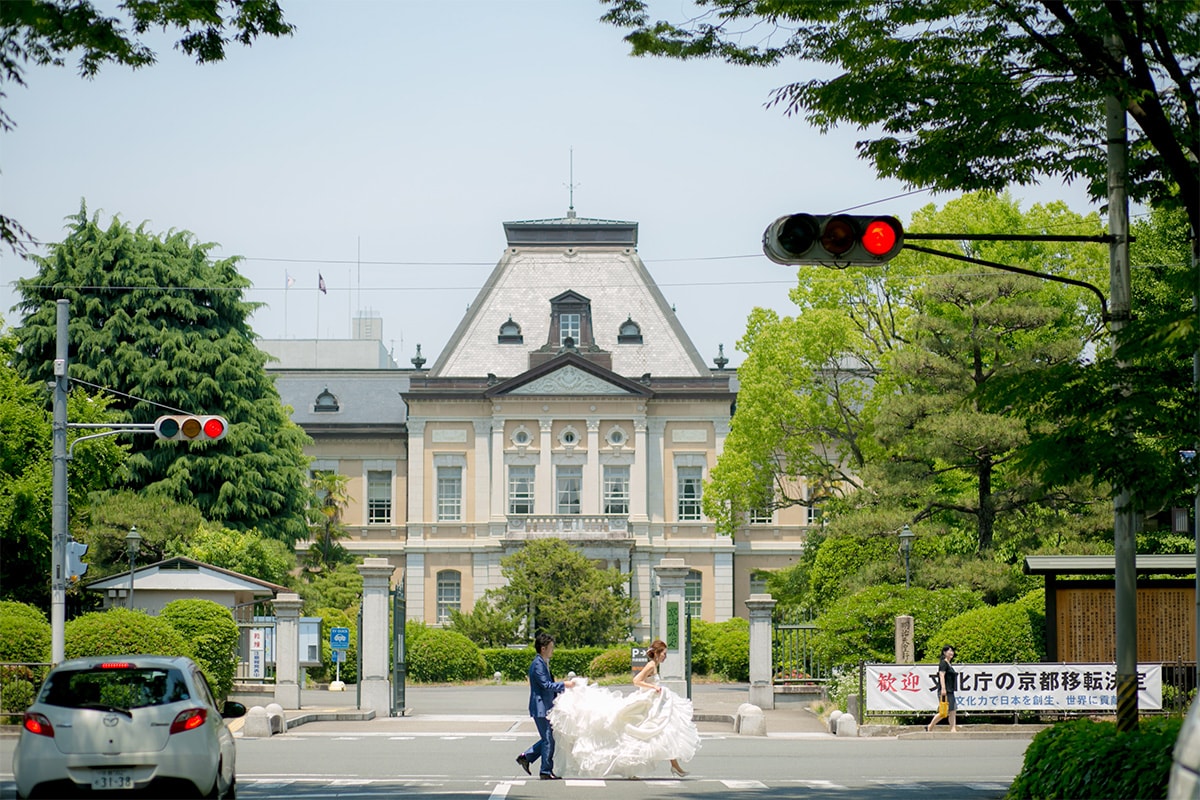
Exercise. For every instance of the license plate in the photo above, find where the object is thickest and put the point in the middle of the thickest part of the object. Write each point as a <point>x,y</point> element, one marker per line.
<point>112,779</point>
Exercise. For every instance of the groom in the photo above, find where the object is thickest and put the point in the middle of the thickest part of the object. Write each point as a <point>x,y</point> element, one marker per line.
<point>542,691</point>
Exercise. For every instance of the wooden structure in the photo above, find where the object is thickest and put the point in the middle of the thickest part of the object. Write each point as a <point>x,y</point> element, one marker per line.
<point>1081,611</point>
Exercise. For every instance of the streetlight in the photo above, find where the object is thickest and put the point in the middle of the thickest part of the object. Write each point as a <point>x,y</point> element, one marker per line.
<point>132,540</point>
<point>906,541</point>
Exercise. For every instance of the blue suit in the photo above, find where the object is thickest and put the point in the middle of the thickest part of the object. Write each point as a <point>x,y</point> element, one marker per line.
<point>542,691</point>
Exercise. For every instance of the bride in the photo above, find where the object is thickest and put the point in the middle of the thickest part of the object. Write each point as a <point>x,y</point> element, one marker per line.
<point>607,733</point>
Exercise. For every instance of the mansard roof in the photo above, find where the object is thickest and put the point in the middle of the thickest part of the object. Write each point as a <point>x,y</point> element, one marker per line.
<point>596,259</point>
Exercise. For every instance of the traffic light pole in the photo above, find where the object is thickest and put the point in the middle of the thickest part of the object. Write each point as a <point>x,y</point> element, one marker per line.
<point>58,535</point>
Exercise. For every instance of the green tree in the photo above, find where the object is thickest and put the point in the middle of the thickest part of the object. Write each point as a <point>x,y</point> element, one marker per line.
<point>26,476</point>
<point>486,624</point>
<point>339,587</point>
<point>557,590</point>
<point>326,528</point>
<point>247,552</point>
<point>43,32</point>
<point>154,319</point>
<point>962,96</point>
<point>111,515</point>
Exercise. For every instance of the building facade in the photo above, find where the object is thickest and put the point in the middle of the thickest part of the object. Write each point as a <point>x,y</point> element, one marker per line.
<point>568,403</point>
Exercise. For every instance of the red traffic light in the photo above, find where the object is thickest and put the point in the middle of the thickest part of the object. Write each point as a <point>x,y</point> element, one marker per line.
<point>838,240</point>
<point>185,428</point>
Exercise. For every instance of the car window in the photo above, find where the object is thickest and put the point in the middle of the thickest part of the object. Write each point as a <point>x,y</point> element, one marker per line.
<point>115,687</point>
<point>201,684</point>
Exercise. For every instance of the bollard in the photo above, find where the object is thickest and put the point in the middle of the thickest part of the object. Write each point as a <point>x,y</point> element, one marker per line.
<point>750,720</point>
<point>846,726</point>
<point>257,724</point>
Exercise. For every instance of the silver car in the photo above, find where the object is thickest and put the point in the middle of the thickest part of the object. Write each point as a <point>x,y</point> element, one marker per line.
<point>118,724</point>
<point>1185,771</point>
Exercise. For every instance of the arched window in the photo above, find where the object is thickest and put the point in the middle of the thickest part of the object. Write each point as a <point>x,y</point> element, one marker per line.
<point>629,333</point>
<point>326,402</point>
<point>449,594</point>
<point>510,333</point>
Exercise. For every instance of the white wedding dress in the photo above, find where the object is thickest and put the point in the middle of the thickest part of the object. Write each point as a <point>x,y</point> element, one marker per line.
<point>602,732</point>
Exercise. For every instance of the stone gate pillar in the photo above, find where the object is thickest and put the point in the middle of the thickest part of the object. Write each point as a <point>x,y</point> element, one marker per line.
<point>287,649</point>
<point>374,682</point>
<point>672,623</point>
<point>762,668</point>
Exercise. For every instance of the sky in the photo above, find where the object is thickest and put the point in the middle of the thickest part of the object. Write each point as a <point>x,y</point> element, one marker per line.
<point>384,143</point>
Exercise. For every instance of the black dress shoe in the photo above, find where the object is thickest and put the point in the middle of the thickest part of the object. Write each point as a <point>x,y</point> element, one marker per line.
<point>524,762</point>
<point>550,776</point>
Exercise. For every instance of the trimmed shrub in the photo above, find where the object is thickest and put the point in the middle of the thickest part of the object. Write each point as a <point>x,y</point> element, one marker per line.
<point>441,656</point>
<point>122,631</point>
<point>617,661</point>
<point>993,635</point>
<point>16,695</point>
<point>24,633</point>
<point>214,635</point>
<point>731,650</point>
<point>511,663</point>
<point>704,639</point>
<point>1084,758</point>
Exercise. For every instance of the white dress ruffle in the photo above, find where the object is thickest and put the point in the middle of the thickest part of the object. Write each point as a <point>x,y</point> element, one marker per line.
<point>602,732</point>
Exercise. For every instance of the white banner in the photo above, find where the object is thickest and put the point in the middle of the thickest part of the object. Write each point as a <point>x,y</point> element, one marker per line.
<point>992,688</point>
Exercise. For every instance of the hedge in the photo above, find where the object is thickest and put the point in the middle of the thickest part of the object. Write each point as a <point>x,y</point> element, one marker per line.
<point>121,631</point>
<point>1088,759</point>
<point>213,634</point>
<point>443,656</point>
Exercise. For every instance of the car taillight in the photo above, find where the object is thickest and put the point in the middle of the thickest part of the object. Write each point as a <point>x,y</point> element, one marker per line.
<point>189,720</point>
<point>38,724</point>
<point>116,665</point>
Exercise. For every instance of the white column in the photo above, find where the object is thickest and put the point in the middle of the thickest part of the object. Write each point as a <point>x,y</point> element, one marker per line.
<point>419,477</point>
<point>723,584</point>
<point>287,650</point>
<point>592,488</point>
<point>762,671</point>
<point>671,622</point>
<point>414,572</point>
<point>639,488</point>
<point>499,473</point>
<point>483,468</point>
<point>374,682</point>
<point>543,501</point>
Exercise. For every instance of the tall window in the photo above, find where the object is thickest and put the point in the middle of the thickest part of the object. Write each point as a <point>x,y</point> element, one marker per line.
<point>616,490</point>
<point>690,482</point>
<point>379,496</point>
<point>449,594</point>
<point>693,591</point>
<point>449,494</point>
<point>569,482</point>
<point>520,490</point>
<point>568,325</point>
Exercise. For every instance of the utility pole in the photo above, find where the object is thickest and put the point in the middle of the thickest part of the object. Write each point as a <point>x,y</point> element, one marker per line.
<point>1124,542</point>
<point>58,535</point>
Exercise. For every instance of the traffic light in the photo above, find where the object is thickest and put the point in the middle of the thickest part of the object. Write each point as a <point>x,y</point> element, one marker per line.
<point>190,428</point>
<point>838,240</point>
<point>75,553</point>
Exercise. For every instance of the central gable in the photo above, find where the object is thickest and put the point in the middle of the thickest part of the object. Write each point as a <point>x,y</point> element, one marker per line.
<point>569,374</point>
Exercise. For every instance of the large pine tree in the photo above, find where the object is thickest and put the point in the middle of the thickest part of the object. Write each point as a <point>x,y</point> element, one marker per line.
<point>163,327</point>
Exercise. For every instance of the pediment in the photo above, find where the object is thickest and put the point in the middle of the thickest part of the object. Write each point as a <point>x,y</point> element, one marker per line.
<point>569,374</point>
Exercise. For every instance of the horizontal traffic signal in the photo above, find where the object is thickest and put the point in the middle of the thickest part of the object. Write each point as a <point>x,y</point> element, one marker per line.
<point>837,240</point>
<point>186,428</point>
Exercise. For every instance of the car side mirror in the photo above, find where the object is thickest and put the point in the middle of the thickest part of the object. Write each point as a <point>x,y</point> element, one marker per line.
<point>233,710</point>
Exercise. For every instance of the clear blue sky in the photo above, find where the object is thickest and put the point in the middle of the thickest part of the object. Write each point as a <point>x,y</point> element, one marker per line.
<point>407,132</point>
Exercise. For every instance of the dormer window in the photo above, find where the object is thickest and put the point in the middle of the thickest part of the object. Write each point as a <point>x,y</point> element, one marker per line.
<point>326,402</point>
<point>510,333</point>
<point>568,329</point>
<point>629,333</point>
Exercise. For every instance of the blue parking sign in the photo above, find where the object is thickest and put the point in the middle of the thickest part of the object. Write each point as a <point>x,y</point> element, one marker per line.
<point>339,638</point>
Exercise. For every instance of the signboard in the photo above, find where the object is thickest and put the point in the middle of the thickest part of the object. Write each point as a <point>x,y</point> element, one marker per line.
<point>991,688</point>
<point>339,656</point>
<point>339,638</point>
<point>638,657</point>
<point>257,652</point>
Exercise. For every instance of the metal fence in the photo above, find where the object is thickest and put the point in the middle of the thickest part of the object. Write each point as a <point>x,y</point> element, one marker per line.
<point>792,655</point>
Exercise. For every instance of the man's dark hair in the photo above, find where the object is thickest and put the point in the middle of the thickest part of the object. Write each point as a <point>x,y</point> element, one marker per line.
<point>541,640</point>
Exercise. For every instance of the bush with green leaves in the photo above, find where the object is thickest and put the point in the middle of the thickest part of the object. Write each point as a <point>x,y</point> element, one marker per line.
<point>487,625</point>
<point>511,662</point>
<point>122,631</point>
<point>862,626</point>
<point>1085,758</point>
<point>24,633</point>
<point>1001,634</point>
<point>213,634</point>
<point>843,684</point>
<point>442,656</point>
<point>730,655</point>
<point>614,661</point>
